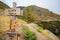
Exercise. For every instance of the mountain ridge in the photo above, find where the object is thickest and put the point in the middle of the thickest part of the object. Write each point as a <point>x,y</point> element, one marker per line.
<point>44,13</point>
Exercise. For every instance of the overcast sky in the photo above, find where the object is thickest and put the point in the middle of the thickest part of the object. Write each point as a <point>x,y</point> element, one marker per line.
<point>52,5</point>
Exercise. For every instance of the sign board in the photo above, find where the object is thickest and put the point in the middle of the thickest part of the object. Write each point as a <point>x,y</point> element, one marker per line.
<point>13,11</point>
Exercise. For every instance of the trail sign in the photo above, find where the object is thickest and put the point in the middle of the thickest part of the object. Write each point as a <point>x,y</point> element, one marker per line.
<point>13,11</point>
<point>13,34</point>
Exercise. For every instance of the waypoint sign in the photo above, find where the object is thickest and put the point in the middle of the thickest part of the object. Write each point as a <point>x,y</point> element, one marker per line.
<point>13,11</point>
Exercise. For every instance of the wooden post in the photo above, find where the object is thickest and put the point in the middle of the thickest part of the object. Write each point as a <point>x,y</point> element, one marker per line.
<point>13,22</point>
<point>13,18</point>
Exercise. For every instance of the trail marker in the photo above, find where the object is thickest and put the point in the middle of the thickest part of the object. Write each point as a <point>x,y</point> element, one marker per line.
<point>12,34</point>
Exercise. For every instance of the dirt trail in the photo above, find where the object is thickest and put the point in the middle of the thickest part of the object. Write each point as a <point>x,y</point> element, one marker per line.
<point>22,37</point>
<point>20,30</point>
<point>38,35</point>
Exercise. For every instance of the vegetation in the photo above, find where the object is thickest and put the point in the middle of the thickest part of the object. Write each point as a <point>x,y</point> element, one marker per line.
<point>37,15</point>
<point>3,21</point>
<point>23,18</point>
<point>39,29</point>
<point>30,14</point>
<point>28,34</point>
<point>53,26</point>
<point>4,25</point>
<point>34,13</point>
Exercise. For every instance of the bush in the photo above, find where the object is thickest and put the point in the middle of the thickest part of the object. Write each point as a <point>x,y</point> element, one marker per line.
<point>28,34</point>
<point>51,25</point>
<point>39,29</point>
<point>23,18</point>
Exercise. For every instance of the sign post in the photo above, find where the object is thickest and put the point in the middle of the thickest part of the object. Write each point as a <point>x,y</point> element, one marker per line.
<point>12,12</point>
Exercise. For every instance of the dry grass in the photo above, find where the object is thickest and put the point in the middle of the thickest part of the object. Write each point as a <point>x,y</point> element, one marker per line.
<point>4,23</point>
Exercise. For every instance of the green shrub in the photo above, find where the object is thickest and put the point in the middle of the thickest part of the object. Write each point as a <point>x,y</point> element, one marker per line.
<point>39,29</point>
<point>28,34</point>
<point>23,18</point>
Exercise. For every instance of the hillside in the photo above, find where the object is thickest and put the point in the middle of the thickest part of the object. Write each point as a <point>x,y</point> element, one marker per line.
<point>3,5</point>
<point>37,13</point>
<point>43,17</point>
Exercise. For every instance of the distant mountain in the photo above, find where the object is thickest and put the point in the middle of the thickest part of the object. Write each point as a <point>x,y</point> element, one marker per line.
<point>43,13</point>
<point>33,12</point>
